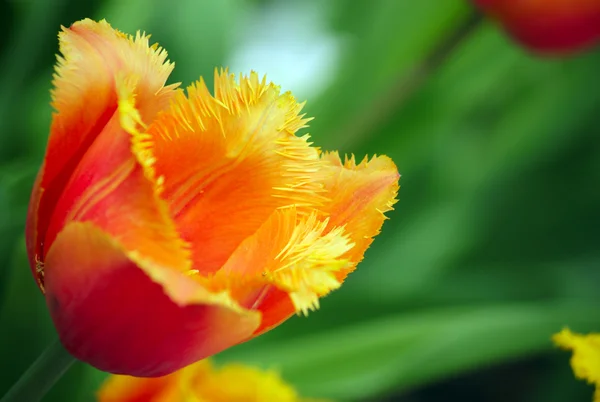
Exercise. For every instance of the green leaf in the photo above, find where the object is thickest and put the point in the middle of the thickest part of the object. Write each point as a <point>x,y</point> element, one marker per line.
<point>404,351</point>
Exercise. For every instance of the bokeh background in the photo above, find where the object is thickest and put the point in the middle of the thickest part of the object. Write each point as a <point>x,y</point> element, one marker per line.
<point>494,243</point>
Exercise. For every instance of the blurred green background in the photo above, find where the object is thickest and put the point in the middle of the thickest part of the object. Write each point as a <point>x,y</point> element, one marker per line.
<point>494,243</point>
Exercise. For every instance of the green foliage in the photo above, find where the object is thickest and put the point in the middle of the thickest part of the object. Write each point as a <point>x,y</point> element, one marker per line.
<point>491,249</point>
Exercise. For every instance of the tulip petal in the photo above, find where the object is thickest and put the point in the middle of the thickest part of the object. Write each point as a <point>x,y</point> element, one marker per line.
<point>124,388</point>
<point>227,162</point>
<point>94,58</point>
<point>110,188</point>
<point>276,306</point>
<point>585,361</point>
<point>360,194</point>
<point>304,258</point>
<point>548,26</point>
<point>34,247</point>
<point>85,96</point>
<point>290,257</point>
<point>110,313</point>
<point>244,383</point>
<point>203,381</point>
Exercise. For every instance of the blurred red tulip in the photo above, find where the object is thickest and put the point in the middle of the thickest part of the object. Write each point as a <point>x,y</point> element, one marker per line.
<point>165,227</point>
<point>548,26</point>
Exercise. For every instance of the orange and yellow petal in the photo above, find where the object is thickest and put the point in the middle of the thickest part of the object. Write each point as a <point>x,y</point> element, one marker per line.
<point>203,382</point>
<point>586,356</point>
<point>110,312</point>
<point>245,383</point>
<point>122,388</point>
<point>109,188</point>
<point>95,59</point>
<point>294,259</point>
<point>360,196</point>
<point>285,267</point>
<point>275,306</point>
<point>226,162</point>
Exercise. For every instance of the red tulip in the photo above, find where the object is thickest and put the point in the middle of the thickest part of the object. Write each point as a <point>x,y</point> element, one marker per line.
<point>548,26</point>
<point>165,227</point>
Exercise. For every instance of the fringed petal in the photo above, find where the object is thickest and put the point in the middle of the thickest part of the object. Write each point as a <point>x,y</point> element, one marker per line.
<point>226,162</point>
<point>95,58</point>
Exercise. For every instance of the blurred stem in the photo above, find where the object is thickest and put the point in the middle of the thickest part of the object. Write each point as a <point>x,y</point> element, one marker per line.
<point>41,375</point>
<point>388,102</point>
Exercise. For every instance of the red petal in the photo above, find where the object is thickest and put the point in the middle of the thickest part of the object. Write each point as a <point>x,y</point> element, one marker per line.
<point>109,189</point>
<point>548,26</point>
<point>110,314</point>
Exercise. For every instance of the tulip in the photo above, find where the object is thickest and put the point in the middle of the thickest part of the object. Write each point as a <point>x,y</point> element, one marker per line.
<point>165,227</point>
<point>202,381</point>
<point>548,26</point>
<point>586,356</point>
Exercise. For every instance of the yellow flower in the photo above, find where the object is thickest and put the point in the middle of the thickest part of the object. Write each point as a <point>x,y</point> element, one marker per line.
<point>586,356</point>
<point>203,382</point>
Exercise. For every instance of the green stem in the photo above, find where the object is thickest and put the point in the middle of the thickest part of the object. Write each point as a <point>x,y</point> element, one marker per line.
<point>362,125</point>
<point>41,375</point>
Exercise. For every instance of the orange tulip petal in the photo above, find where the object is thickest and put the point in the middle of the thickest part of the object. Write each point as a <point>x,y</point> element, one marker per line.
<point>95,59</point>
<point>276,306</point>
<point>178,386</point>
<point>244,383</point>
<point>227,162</point>
<point>110,188</point>
<point>290,256</point>
<point>122,388</point>
<point>203,382</point>
<point>360,195</point>
<point>294,259</point>
<point>85,98</point>
<point>90,281</point>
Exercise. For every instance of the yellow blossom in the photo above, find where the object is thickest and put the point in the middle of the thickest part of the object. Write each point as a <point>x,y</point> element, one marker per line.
<point>203,382</point>
<point>586,356</point>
